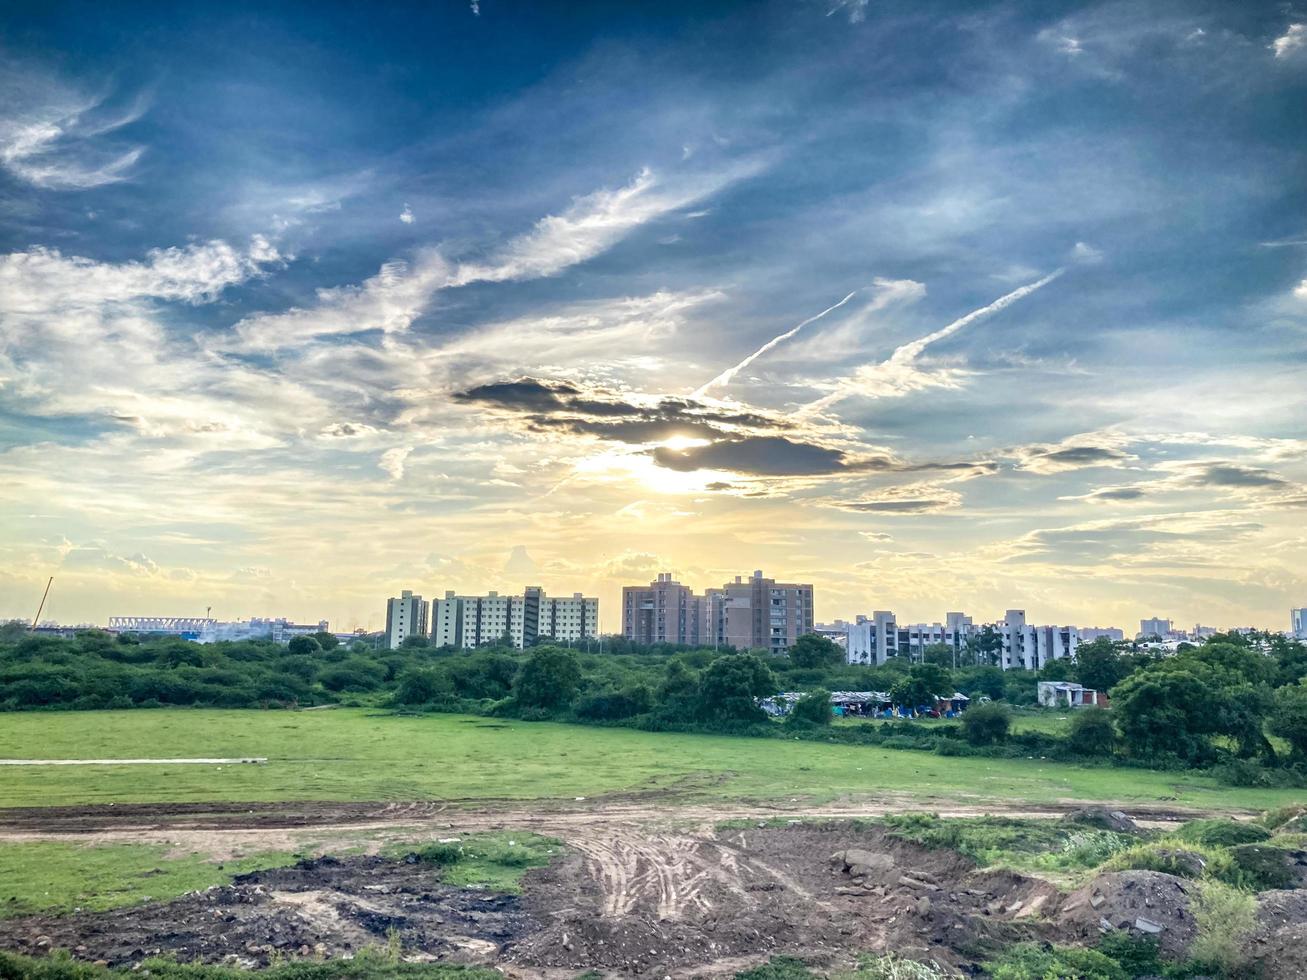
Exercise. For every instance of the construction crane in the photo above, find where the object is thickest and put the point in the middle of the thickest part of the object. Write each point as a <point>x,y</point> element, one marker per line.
<point>37,618</point>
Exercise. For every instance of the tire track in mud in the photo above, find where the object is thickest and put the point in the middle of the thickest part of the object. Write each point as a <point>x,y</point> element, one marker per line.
<point>675,874</point>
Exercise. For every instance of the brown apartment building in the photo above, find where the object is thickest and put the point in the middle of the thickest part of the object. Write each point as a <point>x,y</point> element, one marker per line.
<point>747,614</point>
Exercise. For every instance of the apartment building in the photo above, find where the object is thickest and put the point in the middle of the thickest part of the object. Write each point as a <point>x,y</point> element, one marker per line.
<point>757,613</point>
<point>405,616</point>
<point>871,640</point>
<point>473,621</point>
<point>664,611</point>
<point>1298,623</point>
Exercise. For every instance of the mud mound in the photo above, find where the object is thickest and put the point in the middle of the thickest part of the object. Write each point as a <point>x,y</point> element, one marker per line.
<point>659,904</point>
<point>325,907</point>
<point>1102,818</point>
<point>1145,903</point>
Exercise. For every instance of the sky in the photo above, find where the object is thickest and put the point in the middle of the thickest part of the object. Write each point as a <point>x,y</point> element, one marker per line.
<point>937,306</point>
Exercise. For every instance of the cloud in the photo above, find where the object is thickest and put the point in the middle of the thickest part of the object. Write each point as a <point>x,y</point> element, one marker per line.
<point>1076,453</point>
<point>406,215</point>
<point>1086,253</point>
<point>1121,494</point>
<point>921,498</point>
<point>1231,475</point>
<point>402,290</point>
<point>878,536</point>
<point>766,456</point>
<point>855,9</point>
<point>1290,42</point>
<point>520,563</point>
<point>55,138</point>
<point>899,374</point>
<point>393,460</point>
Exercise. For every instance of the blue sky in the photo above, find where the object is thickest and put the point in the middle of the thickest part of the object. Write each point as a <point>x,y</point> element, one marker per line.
<point>300,307</point>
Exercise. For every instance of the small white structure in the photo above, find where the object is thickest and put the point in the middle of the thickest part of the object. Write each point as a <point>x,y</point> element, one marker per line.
<point>1067,694</point>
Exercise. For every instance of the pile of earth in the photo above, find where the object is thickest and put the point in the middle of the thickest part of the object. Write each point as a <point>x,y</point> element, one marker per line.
<point>323,907</point>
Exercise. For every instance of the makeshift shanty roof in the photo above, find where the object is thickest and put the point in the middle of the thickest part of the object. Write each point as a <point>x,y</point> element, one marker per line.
<point>955,696</point>
<point>1064,686</point>
<point>859,697</point>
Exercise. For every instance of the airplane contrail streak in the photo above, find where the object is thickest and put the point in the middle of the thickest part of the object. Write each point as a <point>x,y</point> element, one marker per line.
<point>726,376</point>
<point>904,356</point>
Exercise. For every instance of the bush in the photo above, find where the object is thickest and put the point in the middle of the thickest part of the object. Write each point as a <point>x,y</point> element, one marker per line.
<point>548,680</point>
<point>1260,866</point>
<point>1187,861</point>
<point>1221,833</point>
<point>1224,917</point>
<point>1091,733</point>
<point>1029,961</point>
<point>986,724</point>
<point>810,711</point>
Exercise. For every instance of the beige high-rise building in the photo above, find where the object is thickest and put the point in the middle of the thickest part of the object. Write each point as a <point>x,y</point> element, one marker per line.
<point>664,611</point>
<point>757,613</point>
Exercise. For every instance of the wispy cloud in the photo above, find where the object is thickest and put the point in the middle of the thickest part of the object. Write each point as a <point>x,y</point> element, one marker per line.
<point>57,138</point>
<point>899,373</point>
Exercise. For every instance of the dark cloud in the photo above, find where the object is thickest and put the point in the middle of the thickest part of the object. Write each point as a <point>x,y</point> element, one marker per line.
<point>1234,476</point>
<point>766,456</point>
<point>1117,493</point>
<point>563,406</point>
<point>905,500</point>
<point>1073,458</point>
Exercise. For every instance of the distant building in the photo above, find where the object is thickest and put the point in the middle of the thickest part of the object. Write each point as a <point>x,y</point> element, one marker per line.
<point>207,630</point>
<point>405,616</point>
<point>875,639</point>
<point>468,621</point>
<point>1298,623</point>
<point>1067,694</point>
<point>664,611</point>
<point>757,613</point>
<point>1155,627</point>
<point>1090,633</point>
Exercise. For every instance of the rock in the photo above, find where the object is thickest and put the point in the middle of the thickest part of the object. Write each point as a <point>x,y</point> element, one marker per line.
<point>923,906</point>
<point>1103,818</point>
<point>1148,926</point>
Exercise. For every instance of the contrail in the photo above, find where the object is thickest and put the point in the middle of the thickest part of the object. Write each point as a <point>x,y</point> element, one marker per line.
<point>904,356</point>
<point>726,376</point>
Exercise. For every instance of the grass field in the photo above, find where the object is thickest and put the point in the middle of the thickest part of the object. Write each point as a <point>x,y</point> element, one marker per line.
<point>44,875</point>
<point>355,754</point>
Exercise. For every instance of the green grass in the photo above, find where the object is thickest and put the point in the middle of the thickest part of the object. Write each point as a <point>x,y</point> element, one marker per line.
<point>356,754</point>
<point>37,876</point>
<point>495,860</point>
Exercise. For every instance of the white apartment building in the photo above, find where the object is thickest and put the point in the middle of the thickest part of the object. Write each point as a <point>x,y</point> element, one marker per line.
<point>873,640</point>
<point>405,616</point>
<point>472,621</point>
<point>1156,626</point>
<point>1298,623</point>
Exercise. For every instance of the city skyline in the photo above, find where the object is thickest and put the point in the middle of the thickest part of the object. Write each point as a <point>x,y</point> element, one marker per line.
<point>297,311</point>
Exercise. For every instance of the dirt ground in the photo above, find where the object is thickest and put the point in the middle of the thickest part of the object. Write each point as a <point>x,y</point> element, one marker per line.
<point>626,899</point>
<point>641,890</point>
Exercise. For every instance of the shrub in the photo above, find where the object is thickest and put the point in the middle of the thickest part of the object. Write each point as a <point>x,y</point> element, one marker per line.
<point>1224,917</point>
<point>1221,833</point>
<point>1260,866</point>
<point>1189,861</point>
<point>811,710</point>
<point>548,680</point>
<point>1029,961</point>
<point>1091,733</point>
<point>986,724</point>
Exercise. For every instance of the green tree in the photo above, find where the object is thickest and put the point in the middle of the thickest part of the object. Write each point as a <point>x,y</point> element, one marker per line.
<point>415,642</point>
<point>811,710</point>
<point>814,650</point>
<point>326,640</point>
<point>730,686</point>
<point>1289,720</point>
<point>303,646</point>
<point>986,724</point>
<point>1091,733</point>
<point>549,679</point>
<point>1099,664</point>
<point>940,655</point>
<point>421,687</point>
<point>984,649</point>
